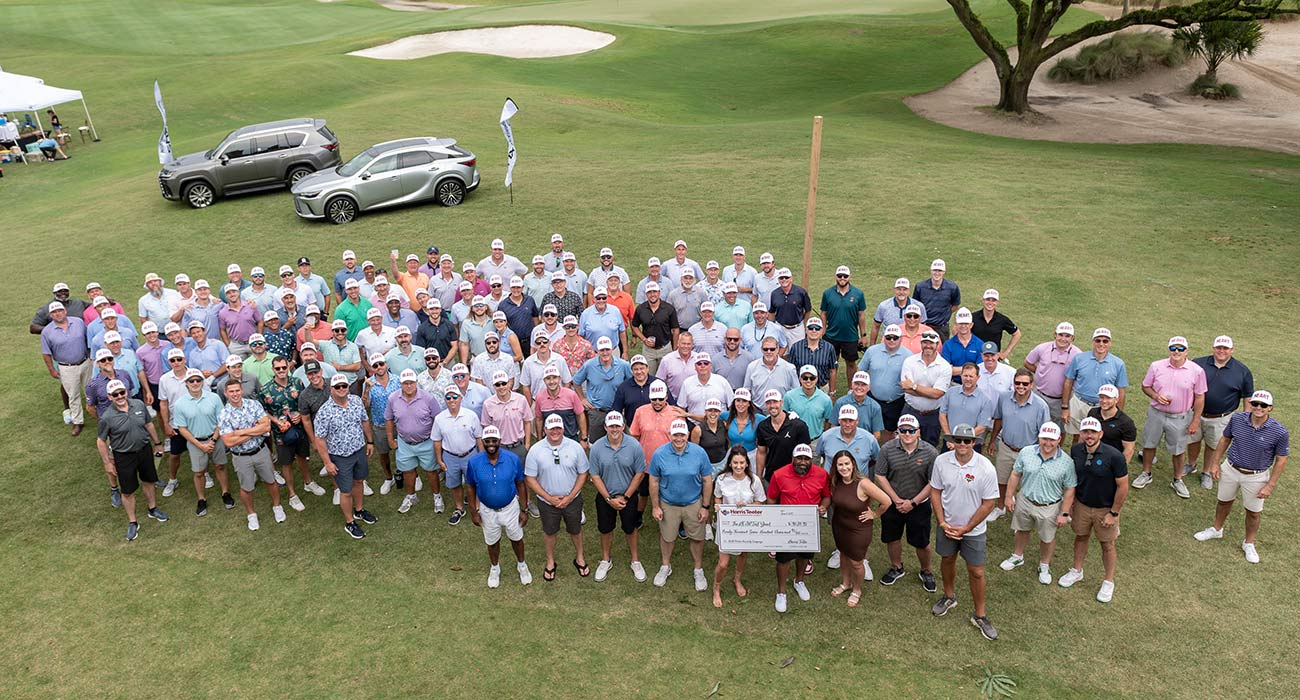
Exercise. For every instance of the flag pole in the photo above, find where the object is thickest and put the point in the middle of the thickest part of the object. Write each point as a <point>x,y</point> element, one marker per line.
<point>811,217</point>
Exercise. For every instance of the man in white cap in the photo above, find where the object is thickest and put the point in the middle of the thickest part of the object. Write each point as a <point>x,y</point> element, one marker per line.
<point>258,362</point>
<point>814,350</point>
<point>184,298</point>
<point>940,297</point>
<point>733,361</point>
<point>883,363</point>
<point>1228,387</point>
<point>651,424</point>
<point>493,299</point>
<point>733,311</point>
<point>106,370</point>
<point>712,283</point>
<point>376,338</point>
<point>557,399</point>
<point>1048,361</point>
<point>912,328</point>
<point>1177,391</point>
<point>603,320</point>
<point>522,313</point>
<point>494,480</point>
<point>456,434</point>
<point>672,269</point>
<point>408,427</point>
<point>499,263</point>
<point>319,287</point>
<point>171,389</point>
<point>404,355</point>
<point>810,403</point>
<point>126,444</point>
<point>859,398</point>
<point>243,426</point>
<point>703,386</point>
<point>342,353</point>
<point>753,334</point>
<point>1018,417</point>
<point>353,309</point>
<point>963,491</point>
<point>797,483</point>
<point>349,271</point>
<point>770,372</point>
<point>765,281</point>
<point>1102,475</point>
<point>344,440</point>
<point>1256,446</point>
<point>963,346</point>
<point>155,303</point>
<point>407,274</point>
<point>512,415</point>
<point>843,313</point>
<point>995,377</point>
<point>903,472</point>
<point>709,333</point>
<point>492,359</point>
<point>472,394</point>
<point>1046,478</point>
<point>790,305</point>
<point>532,369</point>
<point>567,302</point>
<point>740,273</point>
<point>618,467</point>
<point>436,376</point>
<point>965,403</point>
<point>204,309</point>
<point>235,276</point>
<point>595,384</point>
<point>554,259</point>
<point>303,293</point>
<point>375,392</point>
<point>555,470</point>
<point>777,436</point>
<point>654,273</point>
<point>990,325</point>
<point>206,355</point>
<point>574,277</point>
<point>890,311</point>
<point>196,416</point>
<point>65,352</point>
<point>110,320</point>
<point>235,373</point>
<point>1085,374</point>
<point>537,283</point>
<point>437,331</point>
<point>596,280</point>
<point>259,293</point>
<point>681,488</point>
<point>924,379</point>
<point>237,320</point>
<point>445,284</point>
<point>655,325</point>
<point>686,298</point>
<point>395,314</point>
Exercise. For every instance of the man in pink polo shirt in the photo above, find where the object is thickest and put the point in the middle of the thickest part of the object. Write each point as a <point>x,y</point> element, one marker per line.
<point>1177,391</point>
<point>1048,362</point>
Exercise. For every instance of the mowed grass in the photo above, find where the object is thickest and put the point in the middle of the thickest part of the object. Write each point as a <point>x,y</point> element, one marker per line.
<point>701,135</point>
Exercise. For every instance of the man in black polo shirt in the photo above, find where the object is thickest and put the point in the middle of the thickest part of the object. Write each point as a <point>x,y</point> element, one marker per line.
<point>1102,475</point>
<point>1228,386</point>
<point>437,331</point>
<point>777,436</point>
<point>989,325</point>
<point>654,324</point>
<point>1117,429</point>
<point>126,441</point>
<point>789,305</point>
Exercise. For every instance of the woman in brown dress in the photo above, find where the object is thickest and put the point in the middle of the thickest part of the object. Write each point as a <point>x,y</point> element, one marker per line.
<point>852,520</point>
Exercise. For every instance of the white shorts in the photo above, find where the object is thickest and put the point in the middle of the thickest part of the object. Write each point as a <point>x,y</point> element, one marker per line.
<point>1211,431</point>
<point>793,335</point>
<point>1232,482</point>
<point>1171,426</point>
<point>495,520</point>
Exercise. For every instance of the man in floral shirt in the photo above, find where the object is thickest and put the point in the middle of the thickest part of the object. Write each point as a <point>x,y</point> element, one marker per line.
<point>374,392</point>
<point>243,425</point>
<point>279,340</point>
<point>345,441</point>
<point>280,399</point>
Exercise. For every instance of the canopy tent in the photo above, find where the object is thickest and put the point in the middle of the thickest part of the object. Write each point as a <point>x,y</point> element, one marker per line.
<point>25,93</point>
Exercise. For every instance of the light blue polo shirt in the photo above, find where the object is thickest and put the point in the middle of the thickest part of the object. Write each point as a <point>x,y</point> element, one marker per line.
<point>973,409</point>
<point>601,383</point>
<point>811,409</point>
<point>864,448</point>
<point>733,315</point>
<point>1020,423</point>
<point>886,370</point>
<point>594,325</point>
<point>681,476</point>
<point>1089,374</point>
<point>199,416</point>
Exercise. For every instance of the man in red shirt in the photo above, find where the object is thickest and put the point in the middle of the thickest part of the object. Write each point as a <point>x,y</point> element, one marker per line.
<point>797,484</point>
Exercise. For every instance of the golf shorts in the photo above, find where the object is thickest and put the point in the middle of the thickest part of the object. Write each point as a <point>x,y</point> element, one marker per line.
<point>607,517</point>
<point>1210,431</point>
<point>915,523</point>
<point>596,424</point>
<point>793,334</point>
<point>285,453</point>
<point>200,460</point>
<point>1040,519</point>
<point>973,548</point>
<point>1005,461</point>
<point>1078,411</point>
<point>571,515</point>
<point>681,517</point>
<point>1171,426</point>
<point>494,521</point>
<point>1087,521</point>
<point>787,557</point>
<point>1053,407</point>
<point>1232,482</point>
<point>352,468</point>
<point>847,349</point>
<point>250,468</point>
<point>177,445</point>
<point>455,468</point>
<point>418,455</point>
<point>381,440</point>
<point>134,467</point>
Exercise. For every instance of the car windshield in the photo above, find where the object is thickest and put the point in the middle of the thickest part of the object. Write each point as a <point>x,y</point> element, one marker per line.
<point>359,161</point>
<point>220,143</point>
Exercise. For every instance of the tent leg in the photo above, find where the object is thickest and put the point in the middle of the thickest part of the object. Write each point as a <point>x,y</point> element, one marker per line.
<point>39,126</point>
<point>93,133</point>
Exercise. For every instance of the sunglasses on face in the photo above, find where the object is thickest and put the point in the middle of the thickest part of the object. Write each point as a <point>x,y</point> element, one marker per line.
<point>491,342</point>
<point>963,441</point>
<point>286,275</point>
<point>174,360</point>
<point>1101,341</point>
<point>496,286</point>
<point>195,380</point>
<point>431,360</point>
<point>340,330</point>
<point>344,387</point>
<point>117,394</point>
<point>891,337</point>
<point>542,341</point>
<point>550,314</point>
<point>1258,404</point>
<point>256,345</point>
<point>379,364</point>
<point>501,384</point>
<point>453,397</point>
<point>841,277</point>
<point>658,399</point>
<point>1177,348</point>
<point>1022,383</point>
<point>106,359</point>
<point>281,369</point>
<point>912,316</point>
<point>769,349</point>
<point>732,340</point>
<point>907,431</point>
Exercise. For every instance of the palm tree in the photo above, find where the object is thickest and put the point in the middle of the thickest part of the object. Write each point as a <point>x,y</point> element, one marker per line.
<point>1219,41</point>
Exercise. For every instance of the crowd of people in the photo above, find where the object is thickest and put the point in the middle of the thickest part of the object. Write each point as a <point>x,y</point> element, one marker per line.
<point>513,385</point>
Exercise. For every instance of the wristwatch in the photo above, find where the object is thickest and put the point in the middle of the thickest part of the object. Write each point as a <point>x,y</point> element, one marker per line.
<point>1114,514</point>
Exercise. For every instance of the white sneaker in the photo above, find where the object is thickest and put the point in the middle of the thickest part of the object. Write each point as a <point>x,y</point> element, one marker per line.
<point>638,571</point>
<point>1207,483</point>
<point>602,569</point>
<point>1044,574</point>
<point>278,512</point>
<point>866,570</point>
<point>997,513</point>
<point>437,503</point>
<point>662,577</point>
<point>314,488</point>
<point>67,416</point>
<point>780,602</point>
<point>279,479</point>
<point>296,503</point>
<point>1180,488</point>
<point>834,561</point>
<point>584,518</point>
<point>170,488</point>
<point>1106,592</point>
<point>494,576</point>
<point>336,496</point>
<point>1070,578</point>
<point>385,487</point>
<point>1142,480</point>
<point>208,482</point>
<point>407,502</point>
<point>324,471</point>
<point>1252,555</point>
<point>1012,562</point>
<point>525,576</point>
<point>366,488</point>
<point>252,522</point>
<point>1208,533</point>
<point>418,484</point>
<point>708,532</point>
<point>801,590</point>
<point>701,583</point>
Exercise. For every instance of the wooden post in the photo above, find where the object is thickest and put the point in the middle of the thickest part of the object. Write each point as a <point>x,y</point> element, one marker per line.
<point>811,217</point>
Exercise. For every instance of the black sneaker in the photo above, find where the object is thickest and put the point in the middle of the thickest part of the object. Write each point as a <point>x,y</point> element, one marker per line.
<point>892,576</point>
<point>227,500</point>
<point>115,497</point>
<point>132,530</point>
<point>927,581</point>
<point>681,532</point>
<point>159,515</point>
<point>399,481</point>
<point>456,515</point>
<point>202,508</point>
<point>985,627</point>
<point>354,530</point>
<point>365,516</point>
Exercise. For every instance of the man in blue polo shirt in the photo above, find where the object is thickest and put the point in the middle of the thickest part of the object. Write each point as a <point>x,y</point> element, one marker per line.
<point>1086,373</point>
<point>966,404</point>
<point>681,486</point>
<point>1017,417</point>
<point>940,297</point>
<point>883,362</point>
<point>963,347</point>
<point>494,480</point>
<point>600,320</point>
<point>1228,386</point>
<point>890,311</point>
<point>859,397</point>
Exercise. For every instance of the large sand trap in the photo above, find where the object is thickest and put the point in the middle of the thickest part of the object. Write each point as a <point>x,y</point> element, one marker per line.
<point>523,41</point>
<point>1151,108</point>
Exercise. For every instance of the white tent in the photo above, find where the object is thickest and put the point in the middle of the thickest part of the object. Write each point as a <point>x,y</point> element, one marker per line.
<point>25,93</point>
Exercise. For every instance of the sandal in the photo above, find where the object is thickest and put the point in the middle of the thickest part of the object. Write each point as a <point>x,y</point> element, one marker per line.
<point>548,574</point>
<point>839,590</point>
<point>583,571</point>
<point>853,599</point>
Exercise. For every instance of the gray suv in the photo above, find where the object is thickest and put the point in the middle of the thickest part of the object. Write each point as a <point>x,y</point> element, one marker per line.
<point>258,157</point>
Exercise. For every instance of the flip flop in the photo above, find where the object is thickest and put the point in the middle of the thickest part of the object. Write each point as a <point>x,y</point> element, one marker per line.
<point>853,599</point>
<point>583,571</point>
<point>839,590</point>
<point>548,574</point>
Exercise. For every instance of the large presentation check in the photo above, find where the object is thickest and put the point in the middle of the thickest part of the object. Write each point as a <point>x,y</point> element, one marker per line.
<point>769,528</point>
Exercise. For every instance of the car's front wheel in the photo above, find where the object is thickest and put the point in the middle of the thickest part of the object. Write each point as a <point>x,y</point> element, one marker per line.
<point>340,210</point>
<point>198,195</point>
<point>298,173</point>
<point>451,192</point>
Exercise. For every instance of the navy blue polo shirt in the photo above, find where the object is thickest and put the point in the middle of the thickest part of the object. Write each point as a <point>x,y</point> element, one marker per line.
<point>789,309</point>
<point>496,485</point>
<point>938,302</point>
<point>1096,473</point>
<point>1225,387</point>
<point>1255,448</point>
<point>519,317</point>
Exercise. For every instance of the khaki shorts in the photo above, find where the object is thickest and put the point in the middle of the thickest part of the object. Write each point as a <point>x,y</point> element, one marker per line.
<point>1053,407</point>
<point>1232,482</point>
<point>1005,462</point>
<point>200,460</point>
<point>1036,518</point>
<point>1087,521</point>
<point>1078,411</point>
<point>686,517</point>
<point>1210,432</point>
<point>1171,426</point>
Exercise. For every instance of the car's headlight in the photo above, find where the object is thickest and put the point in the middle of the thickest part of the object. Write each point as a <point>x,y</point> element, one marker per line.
<point>165,173</point>
<point>309,195</point>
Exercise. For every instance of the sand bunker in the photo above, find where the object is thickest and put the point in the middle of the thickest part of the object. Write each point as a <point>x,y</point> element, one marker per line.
<point>523,41</point>
<point>1152,108</point>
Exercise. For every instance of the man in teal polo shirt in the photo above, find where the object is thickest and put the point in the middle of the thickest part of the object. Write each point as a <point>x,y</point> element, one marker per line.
<point>406,355</point>
<point>681,486</point>
<point>844,312</point>
<point>859,397</point>
<point>811,404</point>
<point>1047,477</point>
<point>352,310</point>
<point>195,418</point>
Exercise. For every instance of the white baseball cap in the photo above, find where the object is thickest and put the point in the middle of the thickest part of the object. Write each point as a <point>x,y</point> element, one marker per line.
<point>516,281</point>
<point>651,286</point>
<point>902,282</point>
<point>893,329</point>
<point>258,270</point>
<point>148,327</point>
<point>783,273</point>
<point>991,294</point>
<point>653,262</point>
<point>372,312</point>
<point>307,346</point>
<point>349,255</point>
<point>658,390</point>
<point>1065,327</point>
<point>930,336</point>
<point>1090,424</point>
<point>814,322</point>
<point>679,427</point>
<point>639,360</point>
<point>802,451</point>
<point>115,337</point>
<point>234,361</point>
<point>606,252</point>
<point>613,418</point>
<point>557,238</point>
<point>56,306</point>
<point>604,343</point>
<point>550,371</point>
<point>1223,341</point>
<point>103,354</point>
<point>771,395</point>
<point>499,316</point>
<point>195,324</point>
<point>908,421</point>
<point>412,256</point>
<point>738,250</point>
<point>862,377</point>
<point>500,376</point>
<point>1110,391</point>
<point>843,270</point>
<point>110,313</point>
<point>63,287</point>
<point>467,267</point>
<point>173,326</point>
<point>712,265</point>
<point>1178,340</point>
<point>285,270</point>
<point>491,432</point>
<point>115,386</point>
<point>339,324</point>
<point>706,306</point>
<point>459,369</point>
<point>807,369</point>
<point>703,358</point>
<point>181,277</point>
<point>1101,333</point>
<point>1050,430</point>
<point>938,264</point>
<point>537,259</point>
<point>352,283</point>
<point>848,413</point>
<point>766,258</point>
<point>339,380</point>
<point>713,405</point>
<point>407,375</point>
<point>376,358</point>
<point>175,353</point>
<point>554,421</point>
<point>964,316</point>
<point>432,352</point>
<point>743,393</point>
<point>679,243</point>
<point>759,306</point>
<point>498,244</point>
<point>568,255</point>
<point>270,315</point>
<point>1262,396</point>
<point>202,284</point>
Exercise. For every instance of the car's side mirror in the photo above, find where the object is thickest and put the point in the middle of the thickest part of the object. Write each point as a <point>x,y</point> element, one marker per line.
<point>365,176</point>
<point>225,160</point>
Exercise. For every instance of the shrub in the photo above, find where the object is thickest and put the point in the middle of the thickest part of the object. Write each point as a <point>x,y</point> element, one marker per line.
<point>1118,57</point>
<point>1210,88</point>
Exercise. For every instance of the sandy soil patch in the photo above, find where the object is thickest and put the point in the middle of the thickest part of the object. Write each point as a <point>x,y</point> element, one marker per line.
<point>1152,108</point>
<point>415,5</point>
<point>523,41</point>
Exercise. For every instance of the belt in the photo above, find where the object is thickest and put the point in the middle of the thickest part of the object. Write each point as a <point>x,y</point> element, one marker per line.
<point>509,445</point>
<point>1212,416</point>
<point>1248,472</point>
<point>1004,442</point>
<point>1049,396</point>
<point>458,456</point>
<point>417,442</point>
<point>1094,404</point>
<point>919,412</point>
<point>247,454</point>
<point>72,364</point>
<point>1042,505</point>
<point>878,400</point>
<point>789,328</point>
